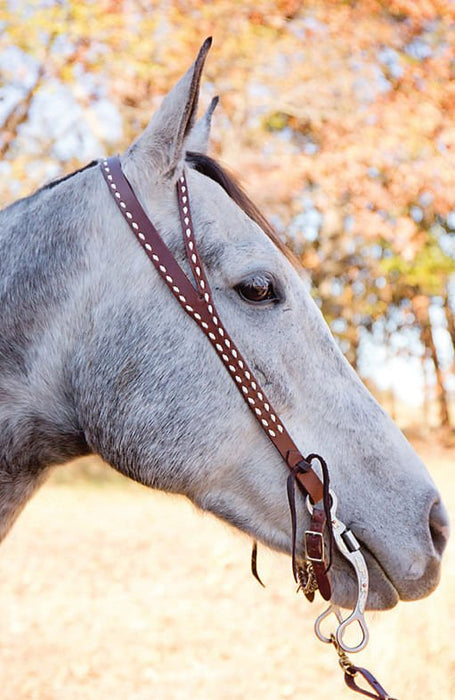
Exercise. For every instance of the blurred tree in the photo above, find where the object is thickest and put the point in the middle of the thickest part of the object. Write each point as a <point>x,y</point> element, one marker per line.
<point>339,115</point>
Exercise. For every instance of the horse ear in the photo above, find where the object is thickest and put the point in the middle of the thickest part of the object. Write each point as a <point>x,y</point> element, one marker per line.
<point>161,145</point>
<point>198,138</point>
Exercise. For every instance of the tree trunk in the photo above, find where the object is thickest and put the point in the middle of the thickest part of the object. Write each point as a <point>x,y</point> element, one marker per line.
<point>20,113</point>
<point>352,354</point>
<point>421,305</point>
<point>450,318</point>
<point>426,392</point>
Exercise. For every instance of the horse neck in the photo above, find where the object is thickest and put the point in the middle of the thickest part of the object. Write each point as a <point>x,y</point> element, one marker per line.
<point>41,257</point>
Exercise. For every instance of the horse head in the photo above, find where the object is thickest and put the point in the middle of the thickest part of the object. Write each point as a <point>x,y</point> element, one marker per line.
<point>102,359</point>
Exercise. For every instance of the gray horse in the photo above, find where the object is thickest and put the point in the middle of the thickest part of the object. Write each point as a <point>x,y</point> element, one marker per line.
<point>97,357</point>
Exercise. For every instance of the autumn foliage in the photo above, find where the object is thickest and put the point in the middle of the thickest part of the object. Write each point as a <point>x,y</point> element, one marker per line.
<point>338,115</point>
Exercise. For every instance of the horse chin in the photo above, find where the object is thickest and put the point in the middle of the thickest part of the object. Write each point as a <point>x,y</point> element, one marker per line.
<point>382,593</point>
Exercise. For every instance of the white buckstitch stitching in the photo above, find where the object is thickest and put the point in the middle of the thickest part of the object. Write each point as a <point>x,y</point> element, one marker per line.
<point>210,308</point>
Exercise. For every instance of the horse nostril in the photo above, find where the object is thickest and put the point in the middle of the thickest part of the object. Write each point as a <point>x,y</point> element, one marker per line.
<point>439,526</point>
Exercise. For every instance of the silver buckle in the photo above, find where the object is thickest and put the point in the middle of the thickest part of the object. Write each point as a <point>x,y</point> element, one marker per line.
<point>316,560</point>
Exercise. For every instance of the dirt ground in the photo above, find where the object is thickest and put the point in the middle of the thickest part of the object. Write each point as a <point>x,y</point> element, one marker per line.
<point>108,590</point>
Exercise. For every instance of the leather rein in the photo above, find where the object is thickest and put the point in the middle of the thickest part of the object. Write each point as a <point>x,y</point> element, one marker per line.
<point>196,299</point>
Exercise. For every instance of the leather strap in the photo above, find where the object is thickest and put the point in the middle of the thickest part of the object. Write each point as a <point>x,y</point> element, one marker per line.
<point>198,303</point>
<point>315,550</point>
<point>378,691</point>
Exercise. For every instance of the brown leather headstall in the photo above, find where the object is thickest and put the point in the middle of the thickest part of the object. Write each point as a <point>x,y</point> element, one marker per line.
<point>197,301</point>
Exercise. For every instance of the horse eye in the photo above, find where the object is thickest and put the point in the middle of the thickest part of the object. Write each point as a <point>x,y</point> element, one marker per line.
<point>257,290</point>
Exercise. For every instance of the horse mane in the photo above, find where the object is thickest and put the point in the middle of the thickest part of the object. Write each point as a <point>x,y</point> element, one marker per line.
<point>50,185</point>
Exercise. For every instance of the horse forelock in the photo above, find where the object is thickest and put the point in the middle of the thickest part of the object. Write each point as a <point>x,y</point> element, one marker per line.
<point>212,169</point>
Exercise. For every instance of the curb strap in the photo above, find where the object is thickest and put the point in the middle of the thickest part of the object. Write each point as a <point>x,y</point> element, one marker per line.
<point>314,543</point>
<point>314,551</point>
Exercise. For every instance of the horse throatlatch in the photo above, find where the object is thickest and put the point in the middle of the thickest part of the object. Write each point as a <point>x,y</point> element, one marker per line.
<point>311,572</point>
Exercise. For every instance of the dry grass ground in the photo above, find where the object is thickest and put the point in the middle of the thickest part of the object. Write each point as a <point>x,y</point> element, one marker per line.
<point>108,590</point>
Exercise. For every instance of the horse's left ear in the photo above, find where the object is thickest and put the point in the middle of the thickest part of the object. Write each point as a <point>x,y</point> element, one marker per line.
<point>161,146</point>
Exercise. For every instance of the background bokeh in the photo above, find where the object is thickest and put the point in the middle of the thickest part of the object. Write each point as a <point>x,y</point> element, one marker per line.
<point>339,116</point>
<point>339,119</point>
